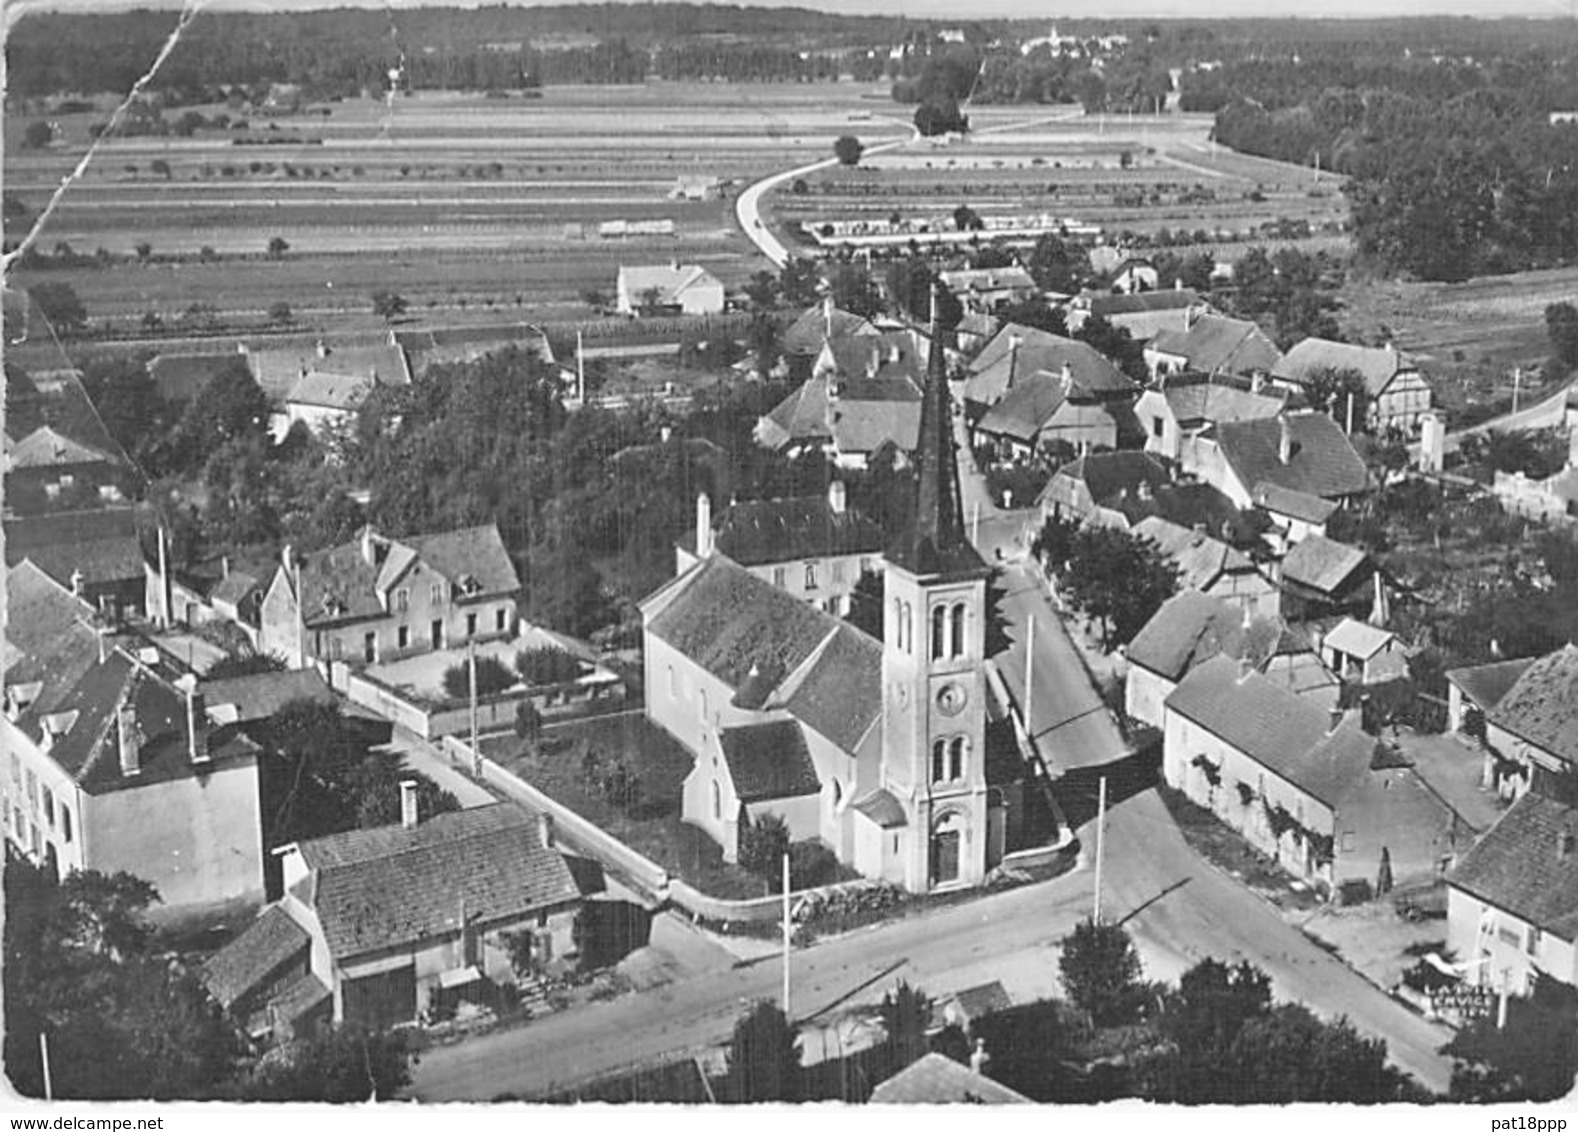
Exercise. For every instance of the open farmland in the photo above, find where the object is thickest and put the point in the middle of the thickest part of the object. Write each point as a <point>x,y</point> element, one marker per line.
<point>1137,175</point>
<point>452,200</point>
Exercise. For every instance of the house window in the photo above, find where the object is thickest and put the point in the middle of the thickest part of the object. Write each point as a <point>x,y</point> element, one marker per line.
<point>32,792</point>
<point>402,600</point>
<point>471,624</point>
<point>436,594</point>
<point>810,575</point>
<point>838,572</point>
<point>65,822</point>
<point>1532,941</point>
<point>403,637</point>
<point>336,648</point>
<point>779,579</point>
<point>1156,427</point>
<point>500,618</point>
<point>370,647</point>
<point>866,566</point>
<point>717,803</point>
<point>1347,841</point>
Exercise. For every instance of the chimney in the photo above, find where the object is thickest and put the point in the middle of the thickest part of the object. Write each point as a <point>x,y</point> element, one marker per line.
<point>827,317</point>
<point>322,350</point>
<point>197,726</point>
<point>224,566</point>
<point>545,830</point>
<point>1014,342</point>
<point>126,732</point>
<point>408,803</point>
<point>1380,607</point>
<point>1257,382</point>
<point>836,498</point>
<point>76,583</point>
<point>164,579</point>
<point>1245,667</point>
<point>287,558</point>
<point>703,525</point>
<point>1067,378</point>
<point>1178,284</point>
<point>1284,440</point>
<point>369,552</point>
<point>979,1059</point>
<point>665,434</point>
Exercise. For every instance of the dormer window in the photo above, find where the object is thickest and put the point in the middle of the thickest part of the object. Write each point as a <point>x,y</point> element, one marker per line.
<point>20,697</point>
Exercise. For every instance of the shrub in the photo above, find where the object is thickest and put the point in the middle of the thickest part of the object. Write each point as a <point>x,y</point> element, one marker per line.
<point>546,665</point>
<point>1101,972</point>
<point>763,844</point>
<point>811,864</point>
<point>492,676</point>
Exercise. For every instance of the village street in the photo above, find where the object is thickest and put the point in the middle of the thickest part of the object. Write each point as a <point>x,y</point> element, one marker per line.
<point>1178,908</point>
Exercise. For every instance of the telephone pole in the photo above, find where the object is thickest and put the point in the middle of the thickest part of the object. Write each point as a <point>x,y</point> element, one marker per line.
<point>1030,680</point>
<point>1101,827</point>
<point>787,1015</point>
<point>471,669</point>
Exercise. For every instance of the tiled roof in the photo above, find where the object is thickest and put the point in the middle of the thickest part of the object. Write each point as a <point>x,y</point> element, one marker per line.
<point>1519,865</point>
<point>979,1001</point>
<point>1191,628</point>
<point>726,619</point>
<point>768,760</point>
<point>393,887</point>
<point>863,425</point>
<point>999,365</point>
<point>1193,505</point>
<point>56,400</point>
<point>807,333</point>
<point>47,448</point>
<point>340,584</point>
<point>890,354</point>
<point>1200,559</point>
<point>1107,475</point>
<point>1357,639</point>
<point>1026,408</point>
<point>262,694</point>
<point>1321,461</point>
<point>47,639</point>
<point>988,279</point>
<point>1141,302</point>
<point>1321,564</point>
<point>882,808</point>
<point>99,561</point>
<point>246,961</point>
<point>328,390</point>
<point>1484,685</point>
<point>672,282</point>
<point>181,377</point>
<point>1294,504</point>
<point>938,1079</point>
<point>1218,344</point>
<point>801,416</point>
<point>234,587</point>
<point>1214,403</point>
<point>1278,729</point>
<point>840,698</point>
<point>779,530</point>
<point>1542,706</point>
<point>279,369</point>
<point>1377,365</point>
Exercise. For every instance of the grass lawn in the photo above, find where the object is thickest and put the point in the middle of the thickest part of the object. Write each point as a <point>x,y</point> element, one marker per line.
<point>653,826</point>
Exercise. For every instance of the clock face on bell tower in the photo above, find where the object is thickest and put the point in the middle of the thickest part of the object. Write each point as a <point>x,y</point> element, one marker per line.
<point>952,698</point>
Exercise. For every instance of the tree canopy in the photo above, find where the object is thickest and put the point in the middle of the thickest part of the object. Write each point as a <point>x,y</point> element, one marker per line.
<point>764,1058</point>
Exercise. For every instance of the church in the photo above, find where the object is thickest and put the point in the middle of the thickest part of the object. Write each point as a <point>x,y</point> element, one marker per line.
<point>897,753</point>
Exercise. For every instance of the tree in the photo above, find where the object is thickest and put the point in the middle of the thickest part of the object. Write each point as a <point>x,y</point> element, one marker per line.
<point>280,314</point>
<point>1059,265</point>
<point>277,247</point>
<point>1118,579</point>
<point>547,664</point>
<point>764,843</point>
<point>1117,344</point>
<point>127,401</point>
<point>847,149</point>
<point>865,603</point>
<point>940,115</point>
<point>1101,972</point>
<point>1329,390</point>
<point>230,408</point>
<point>248,664</point>
<point>764,1058</point>
<point>388,306</point>
<point>906,1016</point>
<point>966,219</point>
<point>799,282</point>
<point>649,301</point>
<point>1532,1058</point>
<point>595,298</point>
<point>854,291</point>
<point>159,167</point>
<point>493,676</point>
<point>1561,327</point>
<point>375,791</point>
<point>58,303</point>
<point>144,252</point>
<point>342,1066</point>
<point>528,723</point>
<point>38,135</point>
<point>762,289</point>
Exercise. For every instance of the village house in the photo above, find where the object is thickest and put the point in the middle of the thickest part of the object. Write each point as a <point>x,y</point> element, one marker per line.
<point>1512,900</point>
<point>862,398</point>
<point>785,710</point>
<point>1473,691</point>
<point>1293,515</point>
<point>1044,412</point>
<point>58,455</point>
<point>1305,452</point>
<point>320,380</point>
<point>112,762</point>
<point>1190,628</point>
<point>1360,653</point>
<point>1213,345</point>
<point>1133,276</point>
<point>986,290</point>
<point>1092,488</point>
<point>1325,580</point>
<point>938,1079</point>
<point>96,554</point>
<point>452,345</point>
<point>1531,732</point>
<point>1399,394</point>
<point>378,599</point>
<point>1212,566</point>
<point>1309,788</point>
<point>804,339</point>
<point>1553,499</point>
<point>668,289</point>
<point>814,547</point>
<point>1144,314</point>
<point>379,926</point>
<point>208,591</point>
<point>1176,412</point>
<point>1020,351</point>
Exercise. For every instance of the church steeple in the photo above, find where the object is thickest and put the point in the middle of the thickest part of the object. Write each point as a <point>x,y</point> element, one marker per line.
<point>935,542</point>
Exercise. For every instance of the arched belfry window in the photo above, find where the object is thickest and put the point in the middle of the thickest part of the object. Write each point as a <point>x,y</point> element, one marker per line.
<point>939,635</point>
<point>956,752</point>
<point>956,629</point>
<point>939,761</point>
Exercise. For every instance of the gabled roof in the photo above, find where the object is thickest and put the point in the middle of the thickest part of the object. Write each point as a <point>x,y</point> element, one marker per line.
<point>1377,365</point>
<point>978,280</point>
<point>807,333</point>
<point>1140,302</point>
<point>1107,475</point>
<point>1519,865</point>
<point>1192,505</point>
<point>1484,685</point>
<point>1356,638</point>
<point>768,760</point>
<point>1278,729</point>
<point>279,369</point>
<point>1200,559</point>
<point>869,415</point>
<point>393,886</point>
<point>46,448</point>
<point>1322,564</point>
<point>1542,706</point>
<point>234,587</point>
<point>1215,343</point>
<point>247,961</point>
<point>48,639</point>
<point>103,561</point>
<point>801,416</point>
<point>1191,628</point>
<point>1298,505</point>
<point>1026,408</point>
<point>780,530</point>
<point>1209,402</point>
<point>840,698</point>
<point>1321,461</point>
<point>1001,364</point>
<point>890,355</point>
<point>672,281</point>
<point>261,695</point>
<point>56,400</point>
<point>938,1079</point>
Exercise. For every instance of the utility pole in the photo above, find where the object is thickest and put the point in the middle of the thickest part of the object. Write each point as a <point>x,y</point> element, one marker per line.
<point>580,368</point>
<point>43,1053</point>
<point>787,1015</point>
<point>975,523</point>
<point>1501,1003</point>
<point>1030,680</point>
<point>1350,412</point>
<point>471,668</point>
<point>1101,827</point>
<point>1517,382</point>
